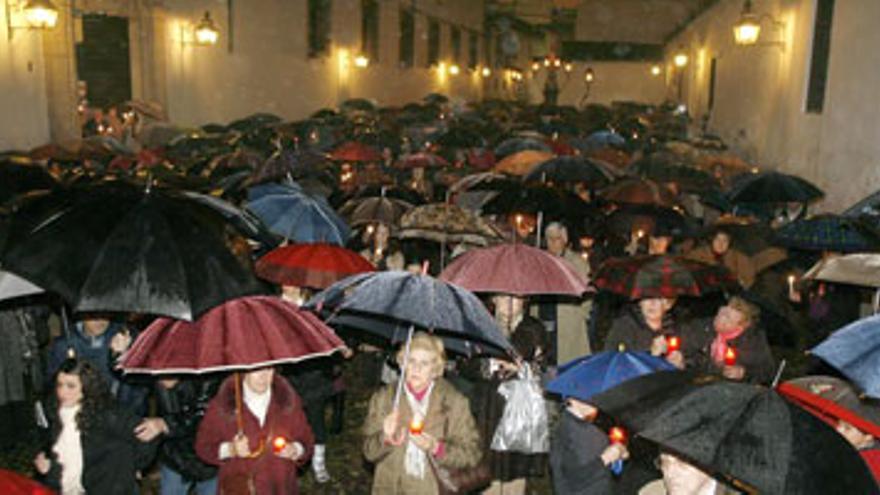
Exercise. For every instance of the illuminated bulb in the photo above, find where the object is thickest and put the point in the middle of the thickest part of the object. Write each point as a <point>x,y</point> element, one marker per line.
<point>655,70</point>
<point>486,72</point>
<point>557,62</point>
<point>546,62</point>
<point>206,32</point>
<point>454,70</point>
<point>536,66</point>
<point>361,61</point>
<point>568,67</point>
<point>680,59</point>
<point>40,14</point>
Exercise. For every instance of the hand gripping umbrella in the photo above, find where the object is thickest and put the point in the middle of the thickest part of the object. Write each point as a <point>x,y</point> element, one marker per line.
<point>117,247</point>
<point>748,435</point>
<point>384,303</point>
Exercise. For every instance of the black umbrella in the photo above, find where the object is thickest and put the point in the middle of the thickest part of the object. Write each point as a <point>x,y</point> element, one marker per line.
<point>662,169</point>
<point>18,178</point>
<point>773,187</point>
<point>651,220</point>
<point>746,434</point>
<point>374,302</point>
<point>517,144</point>
<point>116,247</point>
<point>571,169</point>
<point>459,137</point>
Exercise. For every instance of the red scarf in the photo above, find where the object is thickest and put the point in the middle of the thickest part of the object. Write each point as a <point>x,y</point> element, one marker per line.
<point>719,345</point>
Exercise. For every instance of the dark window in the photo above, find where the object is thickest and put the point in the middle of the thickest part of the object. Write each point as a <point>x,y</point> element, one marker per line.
<point>407,38</point>
<point>370,29</point>
<point>102,60</point>
<point>821,53</point>
<point>433,42</point>
<point>455,40</point>
<point>712,70</point>
<point>473,50</point>
<point>320,12</point>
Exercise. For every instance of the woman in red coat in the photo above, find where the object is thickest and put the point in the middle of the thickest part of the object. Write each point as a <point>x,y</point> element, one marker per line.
<point>276,437</point>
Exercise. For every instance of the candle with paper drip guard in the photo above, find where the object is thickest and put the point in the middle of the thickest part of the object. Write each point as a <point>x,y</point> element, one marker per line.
<point>730,356</point>
<point>416,425</point>
<point>673,343</point>
<point>278,444</point>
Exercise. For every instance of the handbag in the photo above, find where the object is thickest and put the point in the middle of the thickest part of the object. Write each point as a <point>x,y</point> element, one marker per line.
<point>457,481</point>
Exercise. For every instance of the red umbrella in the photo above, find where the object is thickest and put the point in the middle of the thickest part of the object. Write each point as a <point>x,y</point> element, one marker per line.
<point>515,269</point>
<point>352,151</point>
<point>422,160</point>
<point>310,265</point>
<point>661,276</point>
<point>242,334</point>
<point>12,483</point>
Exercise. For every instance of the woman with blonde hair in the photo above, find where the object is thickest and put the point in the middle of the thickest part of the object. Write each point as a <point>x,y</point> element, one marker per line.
<point>432,424</point>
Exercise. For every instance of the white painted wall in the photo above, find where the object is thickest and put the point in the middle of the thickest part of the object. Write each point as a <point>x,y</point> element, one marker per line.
<point>760,93</point>
<point>24,115</point>
<point>268,69</point>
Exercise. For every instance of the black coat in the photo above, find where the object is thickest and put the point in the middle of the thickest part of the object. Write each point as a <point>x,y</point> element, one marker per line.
<point>111,454</point>
<point>753,352</point>
<point>575,458</point>
<point>183,407</point>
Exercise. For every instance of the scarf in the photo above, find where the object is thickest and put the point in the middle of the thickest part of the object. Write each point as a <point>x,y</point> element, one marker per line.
<point>719,345</point>
<point>415,458</point>
<point>68,448</point>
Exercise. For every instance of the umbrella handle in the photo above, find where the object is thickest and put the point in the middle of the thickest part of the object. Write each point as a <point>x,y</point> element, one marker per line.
<point>239,422</point>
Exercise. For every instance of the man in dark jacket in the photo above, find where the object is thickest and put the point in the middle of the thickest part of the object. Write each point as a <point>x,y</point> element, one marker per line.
<point>182,404</point>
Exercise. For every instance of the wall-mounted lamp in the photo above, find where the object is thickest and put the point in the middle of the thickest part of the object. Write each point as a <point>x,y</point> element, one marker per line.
<point>747,29</point>
<point>361,62</point>
<point>680,59</point>
<point>656,70</point>
<point>37,14</point>
<point>454,70</point>
<point>589,75</point>
<point>206,33</point>
<point>486,72</point>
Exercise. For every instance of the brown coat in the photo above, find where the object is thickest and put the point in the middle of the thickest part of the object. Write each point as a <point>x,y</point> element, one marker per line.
<point>742,267</point>
<point>449,419</point>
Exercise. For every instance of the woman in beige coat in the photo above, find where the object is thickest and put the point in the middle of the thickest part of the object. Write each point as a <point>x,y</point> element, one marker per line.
<point>432,424</point>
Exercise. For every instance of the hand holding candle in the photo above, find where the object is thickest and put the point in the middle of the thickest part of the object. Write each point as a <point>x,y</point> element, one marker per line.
<point>617,435</point>
<point>278,444</point>
<point>673,343</point>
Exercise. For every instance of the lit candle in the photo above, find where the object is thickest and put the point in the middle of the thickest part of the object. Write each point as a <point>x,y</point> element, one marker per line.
<point>416,426</point>
<point>730,356</point>
<point>640,233</point>
<point>673,343</point>
<point>617,435</point>
<point>278,444</point>
<point>791,279</point>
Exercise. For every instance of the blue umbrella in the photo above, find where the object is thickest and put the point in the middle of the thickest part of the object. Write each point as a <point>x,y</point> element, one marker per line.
<point>599,140</point>
<point>855,351</point>
<point>584,377</point>
<point>287,210</point>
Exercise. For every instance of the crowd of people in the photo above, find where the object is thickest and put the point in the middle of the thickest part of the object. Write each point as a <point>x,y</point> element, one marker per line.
<point>628,186</point>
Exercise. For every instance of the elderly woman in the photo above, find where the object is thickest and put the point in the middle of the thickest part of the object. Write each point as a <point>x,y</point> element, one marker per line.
<point>432,424</point>
<point>94,448</point>
<point>646,327</point>
<point>734,345</point>
<point>262,454</point>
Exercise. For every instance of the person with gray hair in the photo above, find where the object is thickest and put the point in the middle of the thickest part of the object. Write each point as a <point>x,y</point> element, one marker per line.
<point>567,320</point>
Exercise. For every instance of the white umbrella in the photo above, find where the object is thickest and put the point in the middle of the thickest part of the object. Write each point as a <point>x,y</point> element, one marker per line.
<point>12,286</point>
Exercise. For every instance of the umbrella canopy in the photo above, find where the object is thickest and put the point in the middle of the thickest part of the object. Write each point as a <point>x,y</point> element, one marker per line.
<point>640,192</point>
<point>587,376</point>
<point>12,286</point>
<point>516,144</point>
<point>686,178</point>
<point>116,247</point>
<point>515,269</point>
<point>12,483</point>
<point>245,222</point>
<point>856,269</point>
<point>522,162</point>
<point>289,164</point>
<point>422,159</point>
<point>855,351</point>
<point>442,222</point>
<point>832,399</point>
<point>572,169</point>
<point>242,334</point>
<point>459,137</point>
<point>18,178</point>
<point>366,211</point>
<point>310,265</point>
<point>746,434</point>
<point>449,311</point>
<point>827,233</point>
<point>353,151</point>
<point>291,213</point>
<point>651,220</point>
<point>642,277</point>
<point>773,187</point>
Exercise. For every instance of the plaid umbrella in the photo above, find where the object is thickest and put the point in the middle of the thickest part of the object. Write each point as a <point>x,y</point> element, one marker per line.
<point>827,233</point>
<point>661,276</point>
